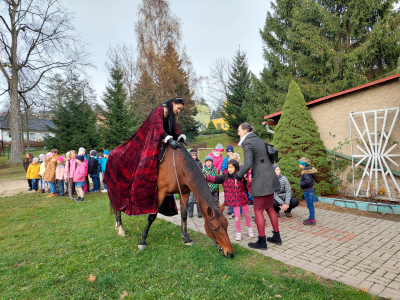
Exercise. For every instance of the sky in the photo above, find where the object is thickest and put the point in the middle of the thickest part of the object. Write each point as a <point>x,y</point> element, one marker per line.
<point>211,29</point>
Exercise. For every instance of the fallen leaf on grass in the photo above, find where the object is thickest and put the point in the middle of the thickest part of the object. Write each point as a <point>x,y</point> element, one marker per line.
<point>92,278</point>
<point>278,296</point>
<point>365,290</point>
<point>33,225</point>
<point>20,264</point>
<point>41,264</point>
<point>124,294</point>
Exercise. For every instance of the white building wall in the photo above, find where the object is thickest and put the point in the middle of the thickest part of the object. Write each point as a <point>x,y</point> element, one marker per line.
<point>38,135</point>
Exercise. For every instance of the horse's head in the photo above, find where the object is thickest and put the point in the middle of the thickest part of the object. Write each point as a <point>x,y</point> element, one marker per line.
<point>216,226</point>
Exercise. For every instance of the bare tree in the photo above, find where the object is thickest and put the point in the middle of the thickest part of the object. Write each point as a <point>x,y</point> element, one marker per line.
<point>36,37</point>
<point>218,81</point>
<point>126,56</point>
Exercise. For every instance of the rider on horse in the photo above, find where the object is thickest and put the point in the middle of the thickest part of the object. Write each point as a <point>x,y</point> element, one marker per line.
<point>131,173</point>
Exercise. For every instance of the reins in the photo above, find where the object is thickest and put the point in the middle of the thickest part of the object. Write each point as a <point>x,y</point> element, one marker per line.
<point>180,195</point>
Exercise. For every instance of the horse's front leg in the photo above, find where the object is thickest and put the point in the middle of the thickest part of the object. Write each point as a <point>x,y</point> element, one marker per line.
<point>184,215</point>
<point>118,223</point>
<point>150,221</point>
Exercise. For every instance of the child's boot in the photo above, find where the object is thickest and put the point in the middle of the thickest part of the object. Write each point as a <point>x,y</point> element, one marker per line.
<point>276,239</point>
<point>260,244</point>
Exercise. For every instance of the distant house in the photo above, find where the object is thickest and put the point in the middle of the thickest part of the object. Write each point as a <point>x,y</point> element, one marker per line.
<point>203,116</point>
<point>37,129</point>
<point>220,123</point>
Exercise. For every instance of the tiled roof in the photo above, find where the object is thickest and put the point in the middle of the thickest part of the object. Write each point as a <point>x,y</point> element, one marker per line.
<point>35,124</point>
<point>330,97</point>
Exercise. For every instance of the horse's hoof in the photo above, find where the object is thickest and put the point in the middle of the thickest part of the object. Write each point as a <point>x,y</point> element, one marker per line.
<point>142,247</point>
<point>189,244</point>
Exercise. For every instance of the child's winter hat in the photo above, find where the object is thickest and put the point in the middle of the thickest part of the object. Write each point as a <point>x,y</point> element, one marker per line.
<point>275,166</point>
<point>229,149</point>
<point>49,154</point>
<point>304,161</point>
<point>36,159</point>
<point>42,156</point>
<point>219,147</point>
<point>209,158</point>
<point>193,151</point>
<point>81,151</point>
<point>106,152</point>
<point>60,158</point>
<point>80,157</point>
<point>93,153</point>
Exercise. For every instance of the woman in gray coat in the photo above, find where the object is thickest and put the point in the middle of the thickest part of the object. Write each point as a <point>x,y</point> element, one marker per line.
<point>264,183</point>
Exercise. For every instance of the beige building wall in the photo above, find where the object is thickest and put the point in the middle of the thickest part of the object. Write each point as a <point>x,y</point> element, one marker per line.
<point>332,117</point>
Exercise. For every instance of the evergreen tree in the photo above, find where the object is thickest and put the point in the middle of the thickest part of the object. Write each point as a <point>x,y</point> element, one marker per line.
<point>296,135</point>
<point>74,119</point>
<point>211,126</point>
<point>326,46</point>
<point>239,88</point>
<point>74,126</point>
<point>120,120</point>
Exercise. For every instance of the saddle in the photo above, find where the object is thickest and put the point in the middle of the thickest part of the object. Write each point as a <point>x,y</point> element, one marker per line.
<point>161,154</point>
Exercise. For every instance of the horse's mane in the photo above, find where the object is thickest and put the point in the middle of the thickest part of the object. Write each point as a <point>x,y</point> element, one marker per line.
<point>197,177</point>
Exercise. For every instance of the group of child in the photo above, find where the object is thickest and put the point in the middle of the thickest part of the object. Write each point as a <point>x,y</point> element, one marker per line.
<point>72,171</point>
<point>236,194</point>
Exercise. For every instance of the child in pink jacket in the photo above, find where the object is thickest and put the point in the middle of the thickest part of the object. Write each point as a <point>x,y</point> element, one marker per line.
<point>80,175</point>
<point>217,157</point>
<point>60,170</point>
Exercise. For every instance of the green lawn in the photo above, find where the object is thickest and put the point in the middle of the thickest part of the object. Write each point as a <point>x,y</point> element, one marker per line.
<point>50,246</point>
<point>16,171</point>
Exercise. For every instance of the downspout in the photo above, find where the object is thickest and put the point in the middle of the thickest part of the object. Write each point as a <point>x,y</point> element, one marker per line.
<point>356,160</point>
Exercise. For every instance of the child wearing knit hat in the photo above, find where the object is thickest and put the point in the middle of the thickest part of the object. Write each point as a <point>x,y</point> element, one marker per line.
<point>80,176</point>
<point>308,174</point>
<point>33,174</point>
<point>60,170</point>
<point>42,158</point>
<point>192,200</point>
<point>217,157</point>
<point>103,162</point>
<point>209,169</point>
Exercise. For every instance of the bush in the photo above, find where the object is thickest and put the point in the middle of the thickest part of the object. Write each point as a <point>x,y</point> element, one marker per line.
<point>296,135</point>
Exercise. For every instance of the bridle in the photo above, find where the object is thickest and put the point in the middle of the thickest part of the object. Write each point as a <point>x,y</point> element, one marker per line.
<point>180,194</point>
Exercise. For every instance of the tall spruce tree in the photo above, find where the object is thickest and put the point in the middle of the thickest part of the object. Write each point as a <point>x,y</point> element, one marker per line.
<point>74,119</point>
<point>296,135</point>
<point>326,46</point>
<point>120,119</point>
<point>239,89</point>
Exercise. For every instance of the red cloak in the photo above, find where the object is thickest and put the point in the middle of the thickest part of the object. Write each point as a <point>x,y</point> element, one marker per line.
<point>131,171</point>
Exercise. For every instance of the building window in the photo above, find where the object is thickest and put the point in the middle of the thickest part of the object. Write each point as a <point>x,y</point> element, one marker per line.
<point>224,125</point>
<point>32,136</point>
<point>218,126</point>
<point>9,134</point>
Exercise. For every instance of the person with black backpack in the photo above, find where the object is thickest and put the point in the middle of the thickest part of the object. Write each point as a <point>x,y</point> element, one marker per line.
<point>264,183</point>
<point>94,170</point>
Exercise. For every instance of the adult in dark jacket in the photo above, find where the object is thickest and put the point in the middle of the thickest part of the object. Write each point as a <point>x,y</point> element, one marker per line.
<point>283,197</point>
<point>264,183</point>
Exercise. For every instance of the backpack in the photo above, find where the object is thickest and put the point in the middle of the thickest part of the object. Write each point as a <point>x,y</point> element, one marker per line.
<point>272,153</point>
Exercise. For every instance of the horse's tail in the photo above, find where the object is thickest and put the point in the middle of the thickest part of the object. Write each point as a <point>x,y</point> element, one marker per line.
<point>113,210</point>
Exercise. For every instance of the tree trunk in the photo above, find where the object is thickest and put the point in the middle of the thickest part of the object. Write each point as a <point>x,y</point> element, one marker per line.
<point>14,100</point>
<point>21,126</point>
<point>27,128</point>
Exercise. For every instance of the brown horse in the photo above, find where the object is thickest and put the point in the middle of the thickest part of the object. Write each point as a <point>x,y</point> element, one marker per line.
<point>190,178</point>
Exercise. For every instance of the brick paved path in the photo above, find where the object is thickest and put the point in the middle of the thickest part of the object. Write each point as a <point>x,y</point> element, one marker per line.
<point>359,251</point>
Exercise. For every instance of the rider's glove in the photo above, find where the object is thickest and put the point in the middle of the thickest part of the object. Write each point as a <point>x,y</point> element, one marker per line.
<point>182,138</point>
<point>174,144</point>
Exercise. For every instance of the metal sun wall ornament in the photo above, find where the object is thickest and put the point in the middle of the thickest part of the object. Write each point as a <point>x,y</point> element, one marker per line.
<point>375,148</point>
